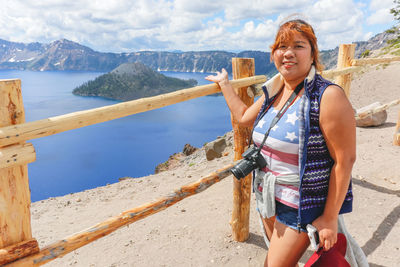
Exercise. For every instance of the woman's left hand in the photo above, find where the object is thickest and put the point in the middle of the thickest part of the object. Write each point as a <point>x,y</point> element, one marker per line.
<point>327,230</point>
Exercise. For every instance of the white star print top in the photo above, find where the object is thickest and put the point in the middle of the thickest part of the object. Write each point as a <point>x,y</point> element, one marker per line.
<point>281,149</point>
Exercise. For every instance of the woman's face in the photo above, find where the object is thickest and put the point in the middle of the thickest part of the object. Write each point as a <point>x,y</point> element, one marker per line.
<point>293,58</point>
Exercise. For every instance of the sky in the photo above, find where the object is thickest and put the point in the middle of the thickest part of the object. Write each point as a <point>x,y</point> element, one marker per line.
<point>188,25</point>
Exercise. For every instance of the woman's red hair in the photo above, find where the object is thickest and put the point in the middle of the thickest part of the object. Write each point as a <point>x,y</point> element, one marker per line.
<point>286,32</point>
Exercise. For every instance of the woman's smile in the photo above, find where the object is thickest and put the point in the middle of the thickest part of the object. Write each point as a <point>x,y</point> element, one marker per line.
<point>288,64</point>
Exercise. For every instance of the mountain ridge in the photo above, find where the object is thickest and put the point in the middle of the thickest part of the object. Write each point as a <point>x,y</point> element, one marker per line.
<point>64,54</point>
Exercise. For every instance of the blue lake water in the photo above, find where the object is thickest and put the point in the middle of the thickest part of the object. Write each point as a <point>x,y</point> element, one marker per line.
<point>96,155</point>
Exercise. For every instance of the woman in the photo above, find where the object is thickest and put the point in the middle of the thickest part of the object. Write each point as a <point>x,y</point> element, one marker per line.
<point>310,151</point>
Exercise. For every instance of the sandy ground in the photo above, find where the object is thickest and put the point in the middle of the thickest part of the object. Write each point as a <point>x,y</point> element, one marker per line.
<point>196,231</point>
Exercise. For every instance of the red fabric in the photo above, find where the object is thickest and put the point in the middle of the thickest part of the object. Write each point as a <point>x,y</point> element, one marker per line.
<point>331,258</point>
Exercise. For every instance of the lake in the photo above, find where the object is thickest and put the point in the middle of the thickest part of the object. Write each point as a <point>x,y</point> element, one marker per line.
<point>100,154</point>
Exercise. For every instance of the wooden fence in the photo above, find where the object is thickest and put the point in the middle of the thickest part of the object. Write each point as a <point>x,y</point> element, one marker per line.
<point>19,248</point>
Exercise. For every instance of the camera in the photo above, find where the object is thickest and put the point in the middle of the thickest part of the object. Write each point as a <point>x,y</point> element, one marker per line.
<point>252,159</point>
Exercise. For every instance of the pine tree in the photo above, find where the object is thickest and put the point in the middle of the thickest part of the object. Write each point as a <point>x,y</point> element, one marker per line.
<point>396,10</point>
<point>395,43</point>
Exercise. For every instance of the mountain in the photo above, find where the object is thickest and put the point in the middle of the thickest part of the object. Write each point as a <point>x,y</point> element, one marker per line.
<point>58,55</point>
<point>329,57</point>
<point>19,55</point>
<point>67,55</point>
<point>132,81</point>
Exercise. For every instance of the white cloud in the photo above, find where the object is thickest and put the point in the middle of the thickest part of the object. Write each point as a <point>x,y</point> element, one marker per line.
<point>380,12</point>
<point>337,21</point>
<point>260,9</point>
<point>202,7</point>
<point>83,21</point>
<point>125,25</point>
<point>381,16</point>
<point>379,4</point>
<point>255,37</point>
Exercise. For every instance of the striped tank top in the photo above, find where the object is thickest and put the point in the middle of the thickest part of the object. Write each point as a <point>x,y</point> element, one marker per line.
<point>281,150</point>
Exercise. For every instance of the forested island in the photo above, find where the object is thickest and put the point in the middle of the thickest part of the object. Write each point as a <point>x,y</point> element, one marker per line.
<point>132,81</point>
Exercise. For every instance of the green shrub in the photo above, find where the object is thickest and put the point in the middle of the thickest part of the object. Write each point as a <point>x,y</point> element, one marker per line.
<point>393,42</point>
<point>366,53</point>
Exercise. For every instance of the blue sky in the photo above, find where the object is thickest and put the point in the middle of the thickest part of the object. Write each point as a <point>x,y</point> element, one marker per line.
<point>188,25</point>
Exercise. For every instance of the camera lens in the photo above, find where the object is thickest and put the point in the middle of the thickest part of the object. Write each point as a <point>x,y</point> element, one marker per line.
<point>243,168</point>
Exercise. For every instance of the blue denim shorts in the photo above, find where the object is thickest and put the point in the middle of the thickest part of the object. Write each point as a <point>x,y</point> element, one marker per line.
<point>288,216</point>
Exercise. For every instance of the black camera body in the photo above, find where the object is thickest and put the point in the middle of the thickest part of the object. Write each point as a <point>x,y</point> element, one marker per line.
<point>252,159</point>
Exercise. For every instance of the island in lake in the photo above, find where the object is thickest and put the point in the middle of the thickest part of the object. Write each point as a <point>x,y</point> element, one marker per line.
<point>131,81</point>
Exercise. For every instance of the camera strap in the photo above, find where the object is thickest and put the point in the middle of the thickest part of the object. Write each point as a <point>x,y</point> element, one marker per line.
<point>282,111</point>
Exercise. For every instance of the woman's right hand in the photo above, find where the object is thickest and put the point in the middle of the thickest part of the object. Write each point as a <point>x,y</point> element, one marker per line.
<point>221,78</point>
<point>327,230</point>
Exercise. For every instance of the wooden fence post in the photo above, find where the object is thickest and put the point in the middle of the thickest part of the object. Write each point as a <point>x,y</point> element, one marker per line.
<point>396,139</point>
<point>241,67</point>
<point>15,218</point>
<point>345,56</point>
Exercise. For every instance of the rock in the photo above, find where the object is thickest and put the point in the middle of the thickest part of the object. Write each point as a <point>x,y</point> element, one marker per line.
<point>124,178</point>
<point>162,167</point>
<point>215,148</point>
<point>171,163</point>
<point>188,149</point>
<point>374,119</point>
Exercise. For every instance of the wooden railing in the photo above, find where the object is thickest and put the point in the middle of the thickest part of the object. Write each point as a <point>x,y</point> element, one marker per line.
<point>19,248</point>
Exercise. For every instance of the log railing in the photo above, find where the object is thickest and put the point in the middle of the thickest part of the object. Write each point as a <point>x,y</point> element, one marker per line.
<point>19,248</point>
